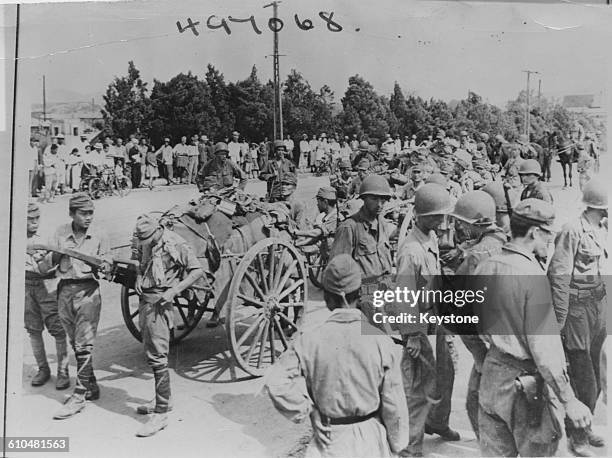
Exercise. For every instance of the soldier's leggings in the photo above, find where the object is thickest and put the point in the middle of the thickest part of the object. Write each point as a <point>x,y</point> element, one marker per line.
<point>79,311</point>
<point>478,349</point>
<point>155,324</point>
<point>445,379</point>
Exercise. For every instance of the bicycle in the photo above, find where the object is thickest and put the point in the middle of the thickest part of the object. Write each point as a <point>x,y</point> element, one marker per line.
<point>105,183</point>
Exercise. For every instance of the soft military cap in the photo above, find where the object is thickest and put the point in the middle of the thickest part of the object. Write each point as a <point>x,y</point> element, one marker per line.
<point>364,164</point>
<point>81,201</point>
<point>145,226</point>
<point>327,192</point>
<point>536,212</point>
<point>342,275</point>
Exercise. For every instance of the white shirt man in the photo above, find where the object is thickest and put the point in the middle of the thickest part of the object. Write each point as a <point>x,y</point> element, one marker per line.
<point>234,148</point>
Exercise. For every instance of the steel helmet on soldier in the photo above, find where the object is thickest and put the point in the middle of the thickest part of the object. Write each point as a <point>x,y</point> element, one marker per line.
<point>595,194</point>
<point>530,167</point>
<point>375,185</point>
<point>496,190</point>
<point>431,199</point>
<point>475,207</point>
<point>364,146</point>
<point>437,178</point>
<point>279,144</point>
<point>221,148</point>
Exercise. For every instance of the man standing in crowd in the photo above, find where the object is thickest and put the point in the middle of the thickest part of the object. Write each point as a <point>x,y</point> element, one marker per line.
<point>290,145</point>
<point>33,167</point>
<point>78,297</point>
<point>51,166</point>
<point>135,162</point>
<point>345,375</point>
<point>203,150</point>
<point>580,303</point>
<point>40,307</point>
<point>167,267</point>
<point>192,160</point>
<point>304,153</point>
<point>234,149</point>
<point>181,154</point>
<point>341,181</point>
<point>525,357</point>
<point>166,154</point>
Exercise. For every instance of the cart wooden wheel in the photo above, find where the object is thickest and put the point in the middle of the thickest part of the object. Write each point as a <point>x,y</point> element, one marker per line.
<point>266,297</point>
<point>94,187</point>
<point>188,312</point>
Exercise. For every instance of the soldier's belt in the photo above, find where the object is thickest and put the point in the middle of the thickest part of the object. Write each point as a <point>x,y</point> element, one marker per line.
<point>347,420</point>
<point>36,276</point>
<point>597,292</point>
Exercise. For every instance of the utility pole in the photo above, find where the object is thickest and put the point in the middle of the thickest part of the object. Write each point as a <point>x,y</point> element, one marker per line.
<point>540,93</point>
<point>527,114</point>
<point>278,108</point>
<point>44,100</point>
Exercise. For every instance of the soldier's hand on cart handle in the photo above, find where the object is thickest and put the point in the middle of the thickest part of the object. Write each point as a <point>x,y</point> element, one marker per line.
<point>413,346</point>
<point>321,431</point>
<point>138,285</point>
<point>578,413</point>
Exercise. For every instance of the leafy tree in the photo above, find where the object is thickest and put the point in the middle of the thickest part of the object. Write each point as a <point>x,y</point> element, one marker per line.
<point>399,109</point>
<point>252,106</point>
<point>364,111</point>
<point>182,106</point>
<point>222,119</point>
<point>126,108</point>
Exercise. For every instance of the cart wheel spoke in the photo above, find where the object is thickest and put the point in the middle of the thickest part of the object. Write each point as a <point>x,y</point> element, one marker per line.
<point>262,345</point>
<point>291,270</point>
<point>281,334</point>
<point>183,316</point>
<point>282,261</point>
<point>250,300</point>
<point>261,272</point>
<point>254,343</point>
<point>132,292</point>
<point>270,266</point>
<point>287,320</point>
<point>271,329</point>
<point>254,285</point>
<point>292,288</point>
<point>249,331</point>
<point>132,315</point>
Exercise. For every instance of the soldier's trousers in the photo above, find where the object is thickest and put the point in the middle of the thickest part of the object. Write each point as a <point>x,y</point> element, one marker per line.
<point>444,381</point>
<point>41,311</point>
<point>583,337</point>
<point>503,420</point>
<point>79,311</point>
<point>155,325</point>
<point>419,376</point>
<point>478,350</point>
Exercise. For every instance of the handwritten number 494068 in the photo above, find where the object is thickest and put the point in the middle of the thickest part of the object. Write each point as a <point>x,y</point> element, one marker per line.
<point>274,24</point>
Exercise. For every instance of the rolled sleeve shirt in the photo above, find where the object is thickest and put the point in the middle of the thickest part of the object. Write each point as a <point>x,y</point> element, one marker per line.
<point>94,243</point>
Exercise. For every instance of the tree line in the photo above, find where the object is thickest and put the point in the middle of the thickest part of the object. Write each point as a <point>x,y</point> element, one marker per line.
<point>188,104</point>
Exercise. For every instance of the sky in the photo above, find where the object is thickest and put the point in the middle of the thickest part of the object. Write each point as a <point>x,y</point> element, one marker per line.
<point>431,48</point>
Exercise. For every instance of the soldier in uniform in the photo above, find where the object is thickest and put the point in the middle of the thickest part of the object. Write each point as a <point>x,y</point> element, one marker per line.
<point>342,181</point>
<point>525,356</point>
<point>220,171</point>
<point>418,263</point>
<point>40,308</point>
<point>167,267</point>
<point>365,237</point>
<point>78,296</point>
<point>276,170</point>
<point>502,219</point>
<point>580,303</point>
<point>527,151</point>
<point>408,191</point>
<point>475,216</point>
<point>511,167</point>
<point>345,374</point>
<point>530,173</point>
<point>325,224</point>
<point>468,179</point>
<point>364,153</point>
<point>362,171</point>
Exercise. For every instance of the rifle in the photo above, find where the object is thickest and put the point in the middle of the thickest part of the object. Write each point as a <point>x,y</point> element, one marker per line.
<point>507,196</point>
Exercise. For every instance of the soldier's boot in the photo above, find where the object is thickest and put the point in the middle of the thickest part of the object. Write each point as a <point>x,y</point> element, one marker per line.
<point>594,439</point>
<point>446,434</point>
<point>155,423</point>
<point>74,405</point>
<point>62,381</point>
<point>149,407</point>
<point>38,349</point>
<point>93,393</point>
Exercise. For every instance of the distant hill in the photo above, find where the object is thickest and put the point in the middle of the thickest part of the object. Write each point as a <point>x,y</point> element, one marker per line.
<point>68,109</point>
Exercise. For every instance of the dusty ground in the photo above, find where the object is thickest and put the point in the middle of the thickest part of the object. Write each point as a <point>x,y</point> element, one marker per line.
<point>219,410</point>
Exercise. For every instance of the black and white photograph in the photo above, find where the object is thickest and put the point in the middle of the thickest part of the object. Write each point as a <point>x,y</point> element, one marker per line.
<point>306,229</point>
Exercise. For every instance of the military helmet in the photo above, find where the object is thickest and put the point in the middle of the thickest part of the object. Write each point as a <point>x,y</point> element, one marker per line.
<point>431,199</point>
<point>279,144</point>
<point>437,178</point>
<point>530,167</point>
<point>595,194</point>
<point>364,146</point>
<point>475,207</point>
<point>496,190</point>
<point>374,185</point>
<point>221,148</point>
<point>345,164</point>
